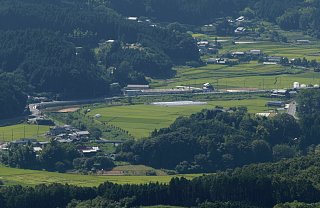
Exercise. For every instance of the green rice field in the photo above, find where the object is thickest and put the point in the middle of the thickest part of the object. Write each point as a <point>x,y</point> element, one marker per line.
<point>141,120</point>
<point>290,50</point>
<point>9,133</point>
<point>253,74</point>
<point>33,177</point>
<point>250,75</point>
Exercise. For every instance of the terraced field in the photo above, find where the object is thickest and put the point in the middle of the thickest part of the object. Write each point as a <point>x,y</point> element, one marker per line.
<point>250,75</point>
<point>290,50</point>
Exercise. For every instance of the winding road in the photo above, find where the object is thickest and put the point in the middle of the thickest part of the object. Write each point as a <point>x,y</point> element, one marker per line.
<point>292,109</point>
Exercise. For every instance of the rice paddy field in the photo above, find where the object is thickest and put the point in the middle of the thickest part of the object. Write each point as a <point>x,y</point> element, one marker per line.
<point>14,132</point>
<point>250,75</point>
<point>140,120</point>
<point>291,50</point>
<point>32,177</point>
<point>253,74</point>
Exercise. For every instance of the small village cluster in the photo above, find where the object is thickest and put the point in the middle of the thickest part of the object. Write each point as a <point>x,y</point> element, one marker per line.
<point>61,134</point>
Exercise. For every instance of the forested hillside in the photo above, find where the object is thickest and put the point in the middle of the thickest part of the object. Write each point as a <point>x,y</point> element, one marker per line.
<point>12,99</point>
<point>309,113</point>
<point>49,63</point>
<point>183,11</point>
<point>50,46</point>
<point>289,14</point>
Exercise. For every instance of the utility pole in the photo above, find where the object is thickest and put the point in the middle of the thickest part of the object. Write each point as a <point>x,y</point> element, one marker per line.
<point>12,134</point>
<point>24,132</point>
<point>217,84</point>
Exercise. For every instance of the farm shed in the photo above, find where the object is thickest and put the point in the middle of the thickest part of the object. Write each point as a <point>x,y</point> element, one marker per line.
<point>137,87</point>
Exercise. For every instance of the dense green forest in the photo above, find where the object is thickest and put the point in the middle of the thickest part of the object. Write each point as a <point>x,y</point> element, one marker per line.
<point>309,114</point>
<point>183,11</point>
<point>48,63</point>
<point>262,185</point>
<point>217,139</point>
<point>289,14</point>
<point>54,157</point>
<point>12,98</point>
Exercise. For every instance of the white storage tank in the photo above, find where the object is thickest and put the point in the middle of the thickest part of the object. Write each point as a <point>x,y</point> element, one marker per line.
<point>296,85</point>
<point>316,86</point>
<point>303,86</point>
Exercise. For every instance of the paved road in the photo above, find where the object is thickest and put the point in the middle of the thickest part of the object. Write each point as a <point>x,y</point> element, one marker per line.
<point>292,109</point>
<point>34,110</point>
